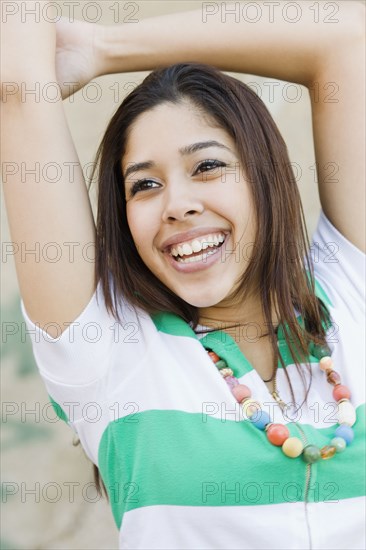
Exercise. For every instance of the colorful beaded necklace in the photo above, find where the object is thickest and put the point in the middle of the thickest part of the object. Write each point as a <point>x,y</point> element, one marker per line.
<point>278,434</point>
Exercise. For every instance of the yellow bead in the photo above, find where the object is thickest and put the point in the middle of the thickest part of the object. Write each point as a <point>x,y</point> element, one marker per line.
<point>327,452</point>
<point>250,407</point>
<point>346,413</point>
<point>292,447</point>
<point>226,372</point>
<point>326,363</point>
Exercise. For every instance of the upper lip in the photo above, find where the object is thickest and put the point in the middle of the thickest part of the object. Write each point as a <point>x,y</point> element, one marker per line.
<point>190,235</point>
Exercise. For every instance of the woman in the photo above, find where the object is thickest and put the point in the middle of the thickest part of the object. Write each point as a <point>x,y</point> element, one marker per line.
<point>204,437</point>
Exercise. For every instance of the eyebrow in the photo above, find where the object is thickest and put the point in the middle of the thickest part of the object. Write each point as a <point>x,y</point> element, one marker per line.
<point>184,151</point>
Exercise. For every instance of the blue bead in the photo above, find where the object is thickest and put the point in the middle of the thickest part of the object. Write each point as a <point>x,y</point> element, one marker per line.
<point>346,432</point>
<point>339,443</point>
<point>260,419</point>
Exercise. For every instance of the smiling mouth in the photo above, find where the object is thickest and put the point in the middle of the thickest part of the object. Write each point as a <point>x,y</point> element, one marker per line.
<point>198,249</point>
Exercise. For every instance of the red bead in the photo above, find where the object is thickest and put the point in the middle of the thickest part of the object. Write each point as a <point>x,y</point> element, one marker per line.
<point>214,356</point>
<point>341,392</point>
<point>277,434</point>
<point>333,377</point>
<point>241,392</point>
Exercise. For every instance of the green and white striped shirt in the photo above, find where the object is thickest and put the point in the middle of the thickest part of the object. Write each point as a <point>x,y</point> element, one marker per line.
<point>182,468</point>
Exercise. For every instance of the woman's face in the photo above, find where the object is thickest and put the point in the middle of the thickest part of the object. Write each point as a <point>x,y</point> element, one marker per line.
<point>183,175</point>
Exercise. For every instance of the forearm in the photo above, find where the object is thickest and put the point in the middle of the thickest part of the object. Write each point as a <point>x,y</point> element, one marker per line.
<point>27,50</point>
<point>274,46</point>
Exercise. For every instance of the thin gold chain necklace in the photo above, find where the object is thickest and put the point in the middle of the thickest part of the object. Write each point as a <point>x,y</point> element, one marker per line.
<point>276,396</point>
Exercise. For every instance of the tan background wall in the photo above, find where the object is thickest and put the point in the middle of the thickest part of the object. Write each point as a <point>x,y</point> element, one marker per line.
<point>36,451</point>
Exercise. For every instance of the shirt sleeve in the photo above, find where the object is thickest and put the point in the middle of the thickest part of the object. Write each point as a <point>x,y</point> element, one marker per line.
<point>83,351</point>
<point>339,266</point>
<point>93,354</point>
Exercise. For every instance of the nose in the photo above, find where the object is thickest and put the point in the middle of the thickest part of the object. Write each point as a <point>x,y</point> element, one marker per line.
<point>181,201</point>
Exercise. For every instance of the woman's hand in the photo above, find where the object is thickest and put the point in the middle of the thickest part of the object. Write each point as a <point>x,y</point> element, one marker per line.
<point>77,57</point>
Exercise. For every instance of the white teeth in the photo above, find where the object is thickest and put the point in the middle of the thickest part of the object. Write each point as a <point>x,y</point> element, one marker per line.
<point>197,258</point>
<point>196,246</point>
<point>186,249</point>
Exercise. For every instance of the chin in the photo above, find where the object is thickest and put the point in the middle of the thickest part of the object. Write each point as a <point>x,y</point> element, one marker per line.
<point>200,299</point>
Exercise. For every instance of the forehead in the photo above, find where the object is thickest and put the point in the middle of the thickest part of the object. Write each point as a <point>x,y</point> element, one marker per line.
<point>169,127</point>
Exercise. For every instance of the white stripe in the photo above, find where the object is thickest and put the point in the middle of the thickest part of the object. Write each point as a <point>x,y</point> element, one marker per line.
<point>177,374</point>
<point>271,527</point>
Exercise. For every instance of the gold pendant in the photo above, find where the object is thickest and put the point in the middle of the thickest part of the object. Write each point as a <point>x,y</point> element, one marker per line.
<point>277,398</point>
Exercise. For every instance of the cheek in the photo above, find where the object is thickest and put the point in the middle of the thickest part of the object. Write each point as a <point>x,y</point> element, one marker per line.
<point>234,196</point>
<point>136,225</point>
<point>143,228</point>
<point>238,208</point>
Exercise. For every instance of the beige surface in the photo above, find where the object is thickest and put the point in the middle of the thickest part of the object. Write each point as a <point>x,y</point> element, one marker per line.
<point>37,451</point>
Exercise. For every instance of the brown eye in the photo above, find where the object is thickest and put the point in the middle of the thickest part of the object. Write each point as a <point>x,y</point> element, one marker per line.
<point>208,165</point>
<point>141,185</point>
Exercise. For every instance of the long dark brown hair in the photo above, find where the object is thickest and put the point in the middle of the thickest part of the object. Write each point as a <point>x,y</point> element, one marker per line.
<point>279,270</point>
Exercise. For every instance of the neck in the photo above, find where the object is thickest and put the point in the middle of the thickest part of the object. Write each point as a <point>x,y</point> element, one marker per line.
<point>247,313</point>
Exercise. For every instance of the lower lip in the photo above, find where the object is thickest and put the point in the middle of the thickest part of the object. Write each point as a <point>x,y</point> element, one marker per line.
<point>200,265</point>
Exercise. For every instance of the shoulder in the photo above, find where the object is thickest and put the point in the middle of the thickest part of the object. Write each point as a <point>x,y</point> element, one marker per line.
<point>339,266</point>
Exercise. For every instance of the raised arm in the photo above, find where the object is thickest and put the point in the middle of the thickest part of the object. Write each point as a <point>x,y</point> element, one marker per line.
<point>50,219</point>
<point>320,45</point>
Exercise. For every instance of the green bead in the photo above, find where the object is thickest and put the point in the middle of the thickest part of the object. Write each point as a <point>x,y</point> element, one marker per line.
<point>339,443</point>
<point>320,351</point>
<point>221,364</point>
<point>311,454</point>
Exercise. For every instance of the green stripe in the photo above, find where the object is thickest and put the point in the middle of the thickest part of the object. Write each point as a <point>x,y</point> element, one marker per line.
<point>172,324</point>
<point>226,347</point>
<point>320,293</point>
<point>189,459</point>
<point>222,343</point>
<point>58,410</point>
